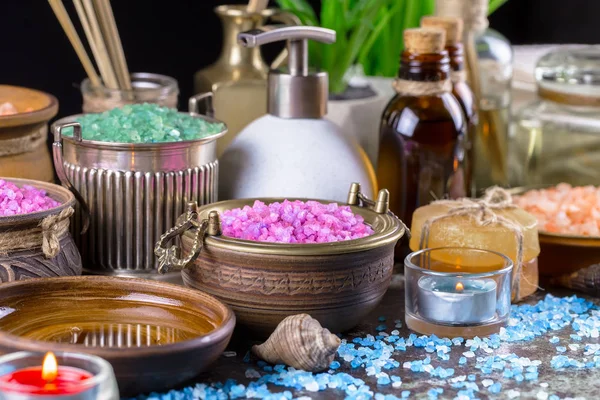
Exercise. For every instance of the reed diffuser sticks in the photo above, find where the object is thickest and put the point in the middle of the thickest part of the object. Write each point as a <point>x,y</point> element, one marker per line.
<point>98,23</point>
<point>256,6</point>
<point>64,20</point>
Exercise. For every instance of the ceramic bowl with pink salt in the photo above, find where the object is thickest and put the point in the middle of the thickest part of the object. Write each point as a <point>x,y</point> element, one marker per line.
<point>35,240</point>
<point>269,258</point>
<point>568,225</point>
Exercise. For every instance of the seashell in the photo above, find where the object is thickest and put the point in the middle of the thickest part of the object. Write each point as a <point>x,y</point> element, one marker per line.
<point>301,342</point>
<point>586,280</point>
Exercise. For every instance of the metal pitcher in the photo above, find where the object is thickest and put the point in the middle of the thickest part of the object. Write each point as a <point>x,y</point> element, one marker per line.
<point>132,193</point>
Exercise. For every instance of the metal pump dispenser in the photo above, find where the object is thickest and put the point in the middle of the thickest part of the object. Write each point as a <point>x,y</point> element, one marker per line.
<point>294,92</point>
<point>293,152</point>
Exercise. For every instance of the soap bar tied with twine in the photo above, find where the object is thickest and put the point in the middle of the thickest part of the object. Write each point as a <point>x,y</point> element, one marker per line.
<point>483,212</point>
<point>46,235</point>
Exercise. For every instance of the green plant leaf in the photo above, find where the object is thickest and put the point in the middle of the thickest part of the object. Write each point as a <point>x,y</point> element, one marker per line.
<point>494,5</point>
<point>302,9</point>
<point>357,38</point>
<point>381,25</point>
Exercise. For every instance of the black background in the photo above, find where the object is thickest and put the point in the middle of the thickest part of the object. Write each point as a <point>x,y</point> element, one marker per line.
<point>178,37</point>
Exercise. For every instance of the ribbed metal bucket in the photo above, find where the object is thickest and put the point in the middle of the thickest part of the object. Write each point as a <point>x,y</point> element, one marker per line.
<point>131,193</point>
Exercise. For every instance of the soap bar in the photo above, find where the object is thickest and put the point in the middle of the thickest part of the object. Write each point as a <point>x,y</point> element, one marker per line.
<point>463,231</point>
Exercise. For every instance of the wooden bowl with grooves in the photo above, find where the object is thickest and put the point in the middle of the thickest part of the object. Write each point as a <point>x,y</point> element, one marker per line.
<point>155,335</point>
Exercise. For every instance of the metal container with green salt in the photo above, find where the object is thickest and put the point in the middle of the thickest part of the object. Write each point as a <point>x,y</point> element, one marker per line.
<point>133,170</point>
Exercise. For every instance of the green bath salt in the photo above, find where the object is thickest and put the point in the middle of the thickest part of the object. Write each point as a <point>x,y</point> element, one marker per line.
<point>144,123</point>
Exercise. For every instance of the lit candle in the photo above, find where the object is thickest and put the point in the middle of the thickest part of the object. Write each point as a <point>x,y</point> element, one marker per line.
<point>455,300</point>
<point>47,379</point>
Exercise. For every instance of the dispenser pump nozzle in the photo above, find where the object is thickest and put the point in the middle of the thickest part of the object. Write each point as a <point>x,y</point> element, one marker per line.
<point>296,92</point>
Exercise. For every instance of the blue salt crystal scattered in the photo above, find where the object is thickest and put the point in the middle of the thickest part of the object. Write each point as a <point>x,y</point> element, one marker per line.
<point>554,340</point>
<point>381,318</point>
<point>471,377</point>
<point>462,360</point>
<point>575,337</point>
<point>334,365</point>
<point>381,327</point>
<point>495,388</point>
<point>383,380</point>
<point>561,349</point>
<point>531,376</point>
<point>405,394</point>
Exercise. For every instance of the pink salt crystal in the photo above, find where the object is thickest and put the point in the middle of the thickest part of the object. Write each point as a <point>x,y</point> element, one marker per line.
<point>25,200</point>
<point>294,222</point>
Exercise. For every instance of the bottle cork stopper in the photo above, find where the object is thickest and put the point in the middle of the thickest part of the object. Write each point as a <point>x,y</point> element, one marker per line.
<point>424,40</point>
<point>453,27</point>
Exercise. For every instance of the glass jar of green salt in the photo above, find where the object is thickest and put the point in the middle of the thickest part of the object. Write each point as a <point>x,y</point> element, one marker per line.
<point>135,168</point>
<point>146,88</point>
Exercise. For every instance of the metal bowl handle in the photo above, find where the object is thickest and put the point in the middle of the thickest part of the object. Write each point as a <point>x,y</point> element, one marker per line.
<point>169,257</point>
<point>57,155</point>
<point>381,205</point>
<point>207,99</point>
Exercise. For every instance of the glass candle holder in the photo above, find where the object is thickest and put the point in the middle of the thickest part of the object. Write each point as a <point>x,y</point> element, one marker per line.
<point>101,385</point>
<point>146,88</point>
<point>454,291</point>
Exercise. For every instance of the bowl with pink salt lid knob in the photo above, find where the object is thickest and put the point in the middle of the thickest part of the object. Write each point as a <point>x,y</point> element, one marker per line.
<point>35,241</point>
<point>270,258</point>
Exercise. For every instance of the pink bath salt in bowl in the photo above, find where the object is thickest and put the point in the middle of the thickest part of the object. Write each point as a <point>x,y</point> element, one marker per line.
<point>25,200</point>
<point>294,222</point>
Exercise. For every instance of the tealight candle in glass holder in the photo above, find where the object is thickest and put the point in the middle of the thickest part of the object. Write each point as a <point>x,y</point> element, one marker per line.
<point>448,296</point>
<point>64,376</point>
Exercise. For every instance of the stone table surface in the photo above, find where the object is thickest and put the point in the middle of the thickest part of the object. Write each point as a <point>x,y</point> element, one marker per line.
<point>570,383</point>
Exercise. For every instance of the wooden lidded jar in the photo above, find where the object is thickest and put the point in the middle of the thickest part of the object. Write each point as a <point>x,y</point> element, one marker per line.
<point>23,150</point>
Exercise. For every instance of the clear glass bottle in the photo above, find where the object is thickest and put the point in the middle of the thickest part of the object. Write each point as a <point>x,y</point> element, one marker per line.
<point>453,27</point>
<point>557,138</point>
<point>488,60</point>
<point>146,88</point>
<point>422,149</point>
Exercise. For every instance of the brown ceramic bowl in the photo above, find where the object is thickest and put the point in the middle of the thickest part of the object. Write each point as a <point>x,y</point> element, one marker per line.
<point>23,151</point>
<point>338,284</point>
<point>155,335</point>
<point>29,263</point>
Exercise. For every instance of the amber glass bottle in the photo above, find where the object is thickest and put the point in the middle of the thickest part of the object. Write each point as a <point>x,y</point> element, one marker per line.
<point>453,26</point>
<point>422,148</point>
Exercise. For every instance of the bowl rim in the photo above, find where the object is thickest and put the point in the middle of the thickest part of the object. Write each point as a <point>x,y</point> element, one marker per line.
<point>52,190</point>
<point>220,333</point>
<point>139,146</point>
<point>30,117</point>
<point>392,230</point>
<point>504,271</point>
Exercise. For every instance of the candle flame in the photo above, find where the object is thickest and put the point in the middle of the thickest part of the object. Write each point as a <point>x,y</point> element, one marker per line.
<point>459,287</point>
<point>49,367</point>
